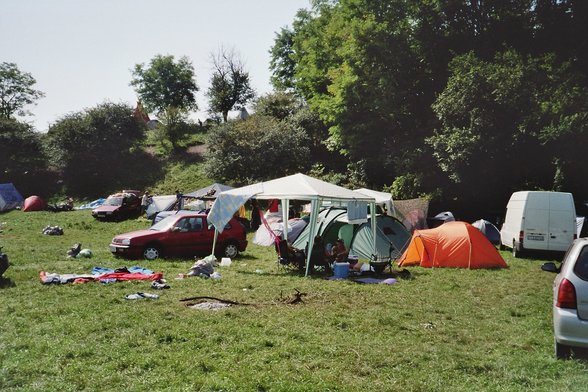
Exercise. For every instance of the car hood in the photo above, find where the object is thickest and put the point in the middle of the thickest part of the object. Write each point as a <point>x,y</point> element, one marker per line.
<point>106,209</point>
<point>139,234</point>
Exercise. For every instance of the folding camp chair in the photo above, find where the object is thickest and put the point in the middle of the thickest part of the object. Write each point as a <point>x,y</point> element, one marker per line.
<point>286,257</point>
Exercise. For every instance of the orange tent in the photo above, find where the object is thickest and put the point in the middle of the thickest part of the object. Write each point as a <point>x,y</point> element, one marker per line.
<point>451,245</point>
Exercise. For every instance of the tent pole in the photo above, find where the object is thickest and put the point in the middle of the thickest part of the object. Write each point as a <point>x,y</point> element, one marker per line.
<point>314,205</point>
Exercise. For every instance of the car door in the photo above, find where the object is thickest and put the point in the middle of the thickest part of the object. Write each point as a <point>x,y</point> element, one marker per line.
<point>198,232</point>
<point>184,236</point>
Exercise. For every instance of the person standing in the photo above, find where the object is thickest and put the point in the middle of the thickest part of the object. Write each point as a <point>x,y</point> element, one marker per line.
<point>179,200</point>
<point>255,217</point>
<point>144,202</point>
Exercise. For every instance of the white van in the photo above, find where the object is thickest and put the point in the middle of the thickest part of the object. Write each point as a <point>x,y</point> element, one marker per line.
<point>539,220</point>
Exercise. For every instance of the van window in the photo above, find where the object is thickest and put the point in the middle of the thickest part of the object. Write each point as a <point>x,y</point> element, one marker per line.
<point>581,267</point>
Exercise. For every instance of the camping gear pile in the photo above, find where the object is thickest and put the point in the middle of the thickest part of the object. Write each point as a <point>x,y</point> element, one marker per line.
<point>52,230</point>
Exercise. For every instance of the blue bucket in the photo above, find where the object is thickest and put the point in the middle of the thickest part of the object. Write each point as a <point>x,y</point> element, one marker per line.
<point>341,270</point>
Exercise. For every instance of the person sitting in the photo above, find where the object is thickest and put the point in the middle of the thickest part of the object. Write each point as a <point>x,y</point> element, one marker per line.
<point>339,252</point>
<point>318,255</point>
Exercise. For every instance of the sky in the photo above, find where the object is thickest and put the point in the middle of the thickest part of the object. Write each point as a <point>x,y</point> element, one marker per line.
<point>81,52</point>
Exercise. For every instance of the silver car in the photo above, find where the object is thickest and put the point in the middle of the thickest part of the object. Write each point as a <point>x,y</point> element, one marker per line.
<point>570,300</point>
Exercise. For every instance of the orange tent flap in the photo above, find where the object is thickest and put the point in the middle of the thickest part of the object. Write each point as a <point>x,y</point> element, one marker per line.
<point>415,253</point>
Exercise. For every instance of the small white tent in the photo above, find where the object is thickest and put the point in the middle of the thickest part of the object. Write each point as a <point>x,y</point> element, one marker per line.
<point>383,199</point>
<point>295,187</point>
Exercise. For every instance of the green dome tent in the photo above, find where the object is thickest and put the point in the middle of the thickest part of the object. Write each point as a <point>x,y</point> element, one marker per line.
<point>391,235</point>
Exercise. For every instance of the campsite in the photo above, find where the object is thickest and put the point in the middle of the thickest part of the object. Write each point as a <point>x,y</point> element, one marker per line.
<point>325,195</point>
<point>440,329</point>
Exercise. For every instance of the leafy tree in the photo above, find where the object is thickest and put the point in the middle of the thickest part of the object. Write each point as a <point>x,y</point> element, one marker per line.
<point>229,84</point>
<point>22,158</point>
<point>282,62</point>
<point>93,149</point>
<point>357,69</point>
<point>168,88</point>
<point>256,149</point>
<point>166,83</point>
<point>279,105</point>
<point>16,91</point>
<point>525,115</point>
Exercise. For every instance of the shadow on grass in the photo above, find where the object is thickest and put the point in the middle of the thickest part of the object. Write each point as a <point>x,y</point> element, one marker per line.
<point>533,255</point>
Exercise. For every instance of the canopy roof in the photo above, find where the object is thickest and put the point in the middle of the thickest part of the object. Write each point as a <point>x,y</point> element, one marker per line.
<point>294,187</point>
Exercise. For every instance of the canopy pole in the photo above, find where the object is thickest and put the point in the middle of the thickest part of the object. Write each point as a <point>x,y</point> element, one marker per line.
<point>374,225</point>
<point>214,240</point>
<point>314,205</point>
<point>285,210</point>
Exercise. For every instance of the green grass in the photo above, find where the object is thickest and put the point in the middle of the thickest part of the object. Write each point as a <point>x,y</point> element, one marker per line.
<point>441,330</point>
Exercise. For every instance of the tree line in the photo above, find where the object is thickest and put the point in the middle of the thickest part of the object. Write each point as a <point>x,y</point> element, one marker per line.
<point>459,101</point>
<point>463,101</point>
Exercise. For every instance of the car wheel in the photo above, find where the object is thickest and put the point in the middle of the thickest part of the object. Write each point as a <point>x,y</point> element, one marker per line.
<point>151,252</point>
<point>231,250</point>
<point>562,351</point>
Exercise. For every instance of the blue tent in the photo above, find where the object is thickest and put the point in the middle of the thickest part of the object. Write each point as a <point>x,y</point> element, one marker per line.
<point>9,197</point>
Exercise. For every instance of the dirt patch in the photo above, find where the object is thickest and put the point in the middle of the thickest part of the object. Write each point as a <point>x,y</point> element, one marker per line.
<point>199,149</point>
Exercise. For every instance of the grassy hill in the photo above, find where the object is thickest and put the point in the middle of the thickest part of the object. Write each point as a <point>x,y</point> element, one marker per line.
<point>440,330</point>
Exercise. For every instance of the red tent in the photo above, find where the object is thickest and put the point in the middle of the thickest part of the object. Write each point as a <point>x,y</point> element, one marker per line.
<point>34,203</point>
<point>451,245</point>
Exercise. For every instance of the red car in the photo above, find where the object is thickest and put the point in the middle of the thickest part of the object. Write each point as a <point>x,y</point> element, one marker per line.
<point>119,206</point>
<point>181,235</point>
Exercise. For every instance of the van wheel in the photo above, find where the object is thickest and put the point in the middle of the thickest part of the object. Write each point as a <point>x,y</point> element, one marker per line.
<point>152,252</point>
<point>562,351</point>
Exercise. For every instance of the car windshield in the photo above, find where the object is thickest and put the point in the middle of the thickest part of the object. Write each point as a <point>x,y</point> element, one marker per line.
<point>113,201</point>
<point>164,224</point>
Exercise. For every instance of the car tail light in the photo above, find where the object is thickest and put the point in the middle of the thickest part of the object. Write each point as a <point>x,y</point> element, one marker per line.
<point>521,236</point>
<point>566,295</point>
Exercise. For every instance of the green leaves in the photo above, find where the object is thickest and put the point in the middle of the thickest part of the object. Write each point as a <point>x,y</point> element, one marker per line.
<point>166,83</point>
<point>229,84</point>
<point>16,91</point>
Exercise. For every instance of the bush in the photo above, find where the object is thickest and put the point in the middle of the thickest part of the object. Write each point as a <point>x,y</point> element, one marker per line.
<point>256,149</point>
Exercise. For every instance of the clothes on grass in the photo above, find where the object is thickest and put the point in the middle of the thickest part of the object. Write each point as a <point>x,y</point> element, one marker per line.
<point>99,274</point>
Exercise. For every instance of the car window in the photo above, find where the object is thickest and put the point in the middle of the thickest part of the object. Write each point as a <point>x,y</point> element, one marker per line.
<point>113,201</point>
<point>581,266</point>
<point>164,224</point>
<point>190,224</point>
<point>227,226</point>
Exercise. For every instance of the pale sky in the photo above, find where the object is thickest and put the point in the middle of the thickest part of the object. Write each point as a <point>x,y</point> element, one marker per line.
<point>81,52</point>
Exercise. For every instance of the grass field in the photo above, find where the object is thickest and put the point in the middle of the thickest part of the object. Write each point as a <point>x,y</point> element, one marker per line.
<point>440,330</point>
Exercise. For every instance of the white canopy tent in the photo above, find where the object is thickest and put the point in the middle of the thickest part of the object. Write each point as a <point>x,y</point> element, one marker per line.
<point>382,198</point>
<point>294,187</point>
